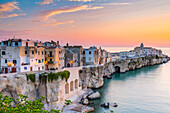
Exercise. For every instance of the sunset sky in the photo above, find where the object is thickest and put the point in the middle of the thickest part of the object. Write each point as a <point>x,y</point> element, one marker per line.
<point>87,22</point>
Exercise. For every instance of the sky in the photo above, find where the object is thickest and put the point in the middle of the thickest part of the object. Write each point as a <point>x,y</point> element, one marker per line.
<point>87,22</point>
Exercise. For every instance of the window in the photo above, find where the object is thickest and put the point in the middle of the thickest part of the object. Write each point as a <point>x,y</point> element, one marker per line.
<point>38,53</point>
<point>25,68</point>
<point>25,51</point>
<point>6,61</point>
<point>16,43</point>
<point>3,52</point>
<point>51,60</point>
<point>90,52</point>
<point>45,59</point>
<point>42,52</point>
<point>42,67</point>
<point>45,52</point>
<point>84,52</point>
<point>39,61</point>
<point>32,52</point>
<point>42,60</point>
<point>14,61</point>
<point>50,53</point>
<point>89,59</point>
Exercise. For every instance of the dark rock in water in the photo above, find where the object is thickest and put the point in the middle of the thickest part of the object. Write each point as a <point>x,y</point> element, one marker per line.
<point>106,105</point>
<point>115,105</point>
<point>109,77</point>
<point>93,96</point>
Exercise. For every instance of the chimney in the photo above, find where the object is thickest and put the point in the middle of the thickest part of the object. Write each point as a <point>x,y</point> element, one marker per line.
<point>57,43</point>
<point>67,44</point>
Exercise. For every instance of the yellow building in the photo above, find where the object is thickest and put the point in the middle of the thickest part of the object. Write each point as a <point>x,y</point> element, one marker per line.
<point>52,58</point>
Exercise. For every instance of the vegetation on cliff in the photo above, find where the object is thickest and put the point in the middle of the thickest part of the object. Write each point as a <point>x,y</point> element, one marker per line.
<point>23,105</point>
<point>50,76</point>
<point>31,77</point>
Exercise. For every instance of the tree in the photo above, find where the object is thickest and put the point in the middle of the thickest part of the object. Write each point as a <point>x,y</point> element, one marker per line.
<point>23,105</point>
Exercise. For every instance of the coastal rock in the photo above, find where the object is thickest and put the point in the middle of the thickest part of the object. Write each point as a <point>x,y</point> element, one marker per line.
<point>93,96</point>
<point>106,105</point>
<point>115,105</point>
<point>92,77</point>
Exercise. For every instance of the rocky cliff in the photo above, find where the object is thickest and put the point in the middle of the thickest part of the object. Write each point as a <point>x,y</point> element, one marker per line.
<point>92,76</point>
<point>14,84</point>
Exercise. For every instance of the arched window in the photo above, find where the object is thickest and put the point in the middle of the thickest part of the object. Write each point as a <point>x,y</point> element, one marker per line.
<point>76,84</point>
<point>71,86</point>
<point>67,88</point>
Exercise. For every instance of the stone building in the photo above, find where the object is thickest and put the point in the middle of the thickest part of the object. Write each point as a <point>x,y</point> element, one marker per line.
<point>71,58</point>
<point>78,50</point>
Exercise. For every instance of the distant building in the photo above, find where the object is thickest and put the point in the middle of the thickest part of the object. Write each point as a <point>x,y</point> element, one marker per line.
<point>124,54</point>
<point>145,51</point>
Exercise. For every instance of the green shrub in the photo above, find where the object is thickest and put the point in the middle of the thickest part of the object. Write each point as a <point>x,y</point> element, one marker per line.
<point>43,78</point>
<point>22,105</point>
<point>31,77</point>
<point>54,76</point>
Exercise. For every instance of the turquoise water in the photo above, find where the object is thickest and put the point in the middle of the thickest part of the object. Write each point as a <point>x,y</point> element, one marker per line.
<point>146,90</point>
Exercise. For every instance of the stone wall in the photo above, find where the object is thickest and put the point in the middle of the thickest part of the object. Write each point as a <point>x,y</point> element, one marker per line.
<point>14,84</point>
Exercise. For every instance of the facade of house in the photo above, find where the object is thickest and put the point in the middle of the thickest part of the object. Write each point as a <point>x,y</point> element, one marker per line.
<point>10,61</point>
<point>78,50</point>
<point>32,58</point>
<point>54,58</point>
<point>62,58</point>
<point>115,56</point>
<point>124,54</point>
<point>71,58</point>
<point>91,56</point>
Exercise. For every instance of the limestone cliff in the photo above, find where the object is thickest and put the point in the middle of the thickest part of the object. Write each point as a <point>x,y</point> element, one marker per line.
<point>92,76</point>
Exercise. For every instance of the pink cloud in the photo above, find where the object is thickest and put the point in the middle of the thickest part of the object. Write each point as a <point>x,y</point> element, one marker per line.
<point>46,14</point>
<point>58,23</point>
<point>5,8</point>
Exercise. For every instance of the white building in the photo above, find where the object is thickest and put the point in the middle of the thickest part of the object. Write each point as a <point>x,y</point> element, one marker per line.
<point>10,61</point>
<point>90,56</point>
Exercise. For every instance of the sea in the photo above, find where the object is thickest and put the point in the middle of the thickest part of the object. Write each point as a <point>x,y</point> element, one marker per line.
<point>145,90</point>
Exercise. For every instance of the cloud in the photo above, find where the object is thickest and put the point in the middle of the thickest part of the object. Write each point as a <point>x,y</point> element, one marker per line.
<point>10,15</point>
<point>58,23</point>
<point>82,0</point>
<point>6,8</point>
<point>49,13</point>
<point>117,4</point>
<point>9,7</point>
<point>45,2</point>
